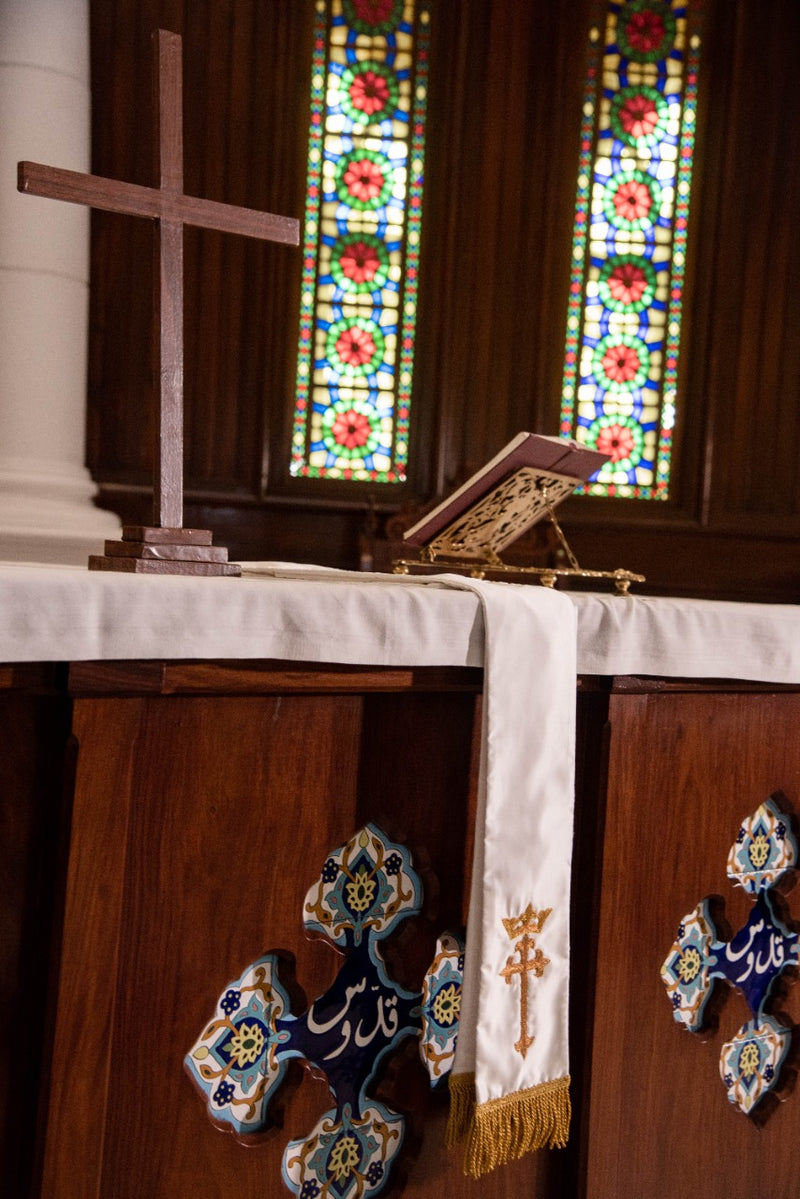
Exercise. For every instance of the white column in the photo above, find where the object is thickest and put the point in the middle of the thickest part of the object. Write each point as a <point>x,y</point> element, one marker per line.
<point>46,510</point>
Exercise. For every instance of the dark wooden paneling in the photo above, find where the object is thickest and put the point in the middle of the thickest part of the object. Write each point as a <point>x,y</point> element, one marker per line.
<point>204,878</point>
<point>587,862</point>
<point>692,561</point>
<point>503,140</point>
<point>753,363</point>
<point>684,770</point>
<point>255,677</point>
<point>33,736</point>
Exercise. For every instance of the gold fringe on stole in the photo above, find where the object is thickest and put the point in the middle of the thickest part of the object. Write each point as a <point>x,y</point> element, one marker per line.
<point>462,1107</point>
<point>504,1129</point>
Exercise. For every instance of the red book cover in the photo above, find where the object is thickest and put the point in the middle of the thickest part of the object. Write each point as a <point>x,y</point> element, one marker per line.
<point>557,455</point>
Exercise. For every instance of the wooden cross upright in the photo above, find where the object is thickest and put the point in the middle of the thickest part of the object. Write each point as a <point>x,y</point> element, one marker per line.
<point>167,547</point>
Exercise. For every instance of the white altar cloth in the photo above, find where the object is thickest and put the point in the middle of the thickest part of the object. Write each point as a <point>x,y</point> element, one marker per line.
<point>63,613</point>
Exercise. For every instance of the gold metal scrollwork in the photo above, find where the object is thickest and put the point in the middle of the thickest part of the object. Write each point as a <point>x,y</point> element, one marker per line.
<point>472,543</point>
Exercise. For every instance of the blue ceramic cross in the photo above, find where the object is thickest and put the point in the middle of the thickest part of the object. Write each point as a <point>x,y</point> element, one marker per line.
<point>764,852</point>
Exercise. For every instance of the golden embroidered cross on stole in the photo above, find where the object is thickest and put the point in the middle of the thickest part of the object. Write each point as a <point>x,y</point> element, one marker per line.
<point>526,924</point>
<point>510,1081</point>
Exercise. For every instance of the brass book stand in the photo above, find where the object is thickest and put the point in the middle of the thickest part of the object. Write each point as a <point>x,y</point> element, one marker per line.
<point>471,543</point>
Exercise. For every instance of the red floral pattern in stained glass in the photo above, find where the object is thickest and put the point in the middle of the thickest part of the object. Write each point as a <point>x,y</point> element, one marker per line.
<point>632,200</point>
<point>627,283</point>
<point>638,115</point>
<point>646,30</point>
<point>364,180</point>
<point>369,92</point>
<point>373,12</point>
<point>355,346</point>
<point>359,262</point>
<point>362,234</point>
<point>621,363</point>
<point>616,441</point>
<point>351,429</point>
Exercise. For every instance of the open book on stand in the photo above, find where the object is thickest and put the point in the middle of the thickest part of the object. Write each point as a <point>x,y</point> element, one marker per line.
<point>518,487</point>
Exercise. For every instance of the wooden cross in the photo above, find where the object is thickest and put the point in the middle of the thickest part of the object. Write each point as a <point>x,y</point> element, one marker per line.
<point>167,547</point>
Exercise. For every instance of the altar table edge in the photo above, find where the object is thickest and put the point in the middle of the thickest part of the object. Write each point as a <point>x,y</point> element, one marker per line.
<point>309,614</point>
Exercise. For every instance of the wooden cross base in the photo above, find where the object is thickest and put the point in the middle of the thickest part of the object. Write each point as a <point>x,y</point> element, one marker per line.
<point>151,550</point>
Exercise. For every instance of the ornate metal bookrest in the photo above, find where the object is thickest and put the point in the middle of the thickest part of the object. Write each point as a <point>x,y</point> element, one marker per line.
<point>472,542</point>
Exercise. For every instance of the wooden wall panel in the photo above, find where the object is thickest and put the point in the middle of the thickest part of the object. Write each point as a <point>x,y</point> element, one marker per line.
<point>684,770</point>
<point>753,348</point>
<point>206,870</point>
<point>206,798</point>
<point>505,99</point>
<point>89,963</point>
<point>33,740</point>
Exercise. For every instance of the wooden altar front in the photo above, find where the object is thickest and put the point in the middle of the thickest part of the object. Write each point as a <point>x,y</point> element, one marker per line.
<point>163,821</point>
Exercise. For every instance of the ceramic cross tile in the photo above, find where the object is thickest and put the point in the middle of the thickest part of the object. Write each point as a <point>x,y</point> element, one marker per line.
<point>364,891</point>
<point>763,854</point>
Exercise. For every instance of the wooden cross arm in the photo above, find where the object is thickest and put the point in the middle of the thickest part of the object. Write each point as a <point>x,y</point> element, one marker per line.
<point>156,203</point>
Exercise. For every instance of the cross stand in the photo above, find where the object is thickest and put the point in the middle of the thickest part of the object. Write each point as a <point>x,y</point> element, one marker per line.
<point>165,547</point>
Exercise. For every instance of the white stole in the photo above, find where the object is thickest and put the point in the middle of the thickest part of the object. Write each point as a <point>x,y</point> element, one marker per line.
<point>510,1080</point>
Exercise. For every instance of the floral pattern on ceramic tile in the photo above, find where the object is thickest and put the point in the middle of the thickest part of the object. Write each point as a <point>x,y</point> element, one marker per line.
<point>441,1007</point>
<point>366,887</point>
<point>750,1063</point>
<point>686,971</point>
<point>763,851</point>
<point>344,1155</point>
<point>236,1061</point>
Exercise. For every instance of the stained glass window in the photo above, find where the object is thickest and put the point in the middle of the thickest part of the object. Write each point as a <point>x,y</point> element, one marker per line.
<point>362,240</point>
<point>629,246</point>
